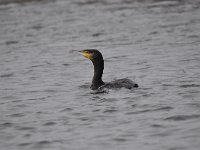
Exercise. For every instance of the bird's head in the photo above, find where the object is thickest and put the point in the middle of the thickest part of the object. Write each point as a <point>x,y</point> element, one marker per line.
<point>92,54</point>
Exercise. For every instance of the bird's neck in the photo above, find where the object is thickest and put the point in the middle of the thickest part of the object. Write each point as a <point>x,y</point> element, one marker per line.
<point>98,72</point>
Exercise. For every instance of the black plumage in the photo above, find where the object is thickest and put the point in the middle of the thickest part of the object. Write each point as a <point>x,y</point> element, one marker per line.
<point>97,83</point>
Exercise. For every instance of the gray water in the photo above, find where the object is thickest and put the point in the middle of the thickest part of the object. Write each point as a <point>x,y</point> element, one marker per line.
<point>45,100</point>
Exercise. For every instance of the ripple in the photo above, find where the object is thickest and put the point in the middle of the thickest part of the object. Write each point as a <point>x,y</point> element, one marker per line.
<point>22,105</point>
<point>39,98</point>
<point>99,91</point>
<point>163,134</point>
<point>9,97</point>
<point>117,57</point>
<point>17,115</point>
<point>167,108</point>
<point>189,85</point>
<point>177,148</point>
<point>85,119</point>
<point>25,144</point>
<point>157,126</point>
<point>6,125</point>
<point>7,75</point>
<point>120,139</point>
<point>85,86</point>
<point>187,60</point>
<point>17,101</point>
<point>96,110</point>
<point>77,114</point>
<point>110,111</point>
<point>37,27</point>
<point>11,42</point>
<point>66,109</point>
<point>168,85</point>
<point>35,66</point>
<point>27,135</point>
<point>65,64</point>
<point>49,124</point>
<point>51,90</point>
<point>25,128</point>
<point>108,99</point>
<point>97,34</point>
<point>193,104</point>
<point>182,117</point>
<point>87,2</point>
<point>44,142</point>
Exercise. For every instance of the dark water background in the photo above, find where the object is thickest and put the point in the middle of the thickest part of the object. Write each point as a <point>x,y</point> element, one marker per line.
<point>45,100</point>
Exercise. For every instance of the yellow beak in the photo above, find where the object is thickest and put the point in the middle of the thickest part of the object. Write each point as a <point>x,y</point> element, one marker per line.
<point>87,55</point>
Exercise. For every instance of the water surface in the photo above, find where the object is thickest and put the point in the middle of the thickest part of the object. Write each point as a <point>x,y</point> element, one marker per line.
<point>45,100</point>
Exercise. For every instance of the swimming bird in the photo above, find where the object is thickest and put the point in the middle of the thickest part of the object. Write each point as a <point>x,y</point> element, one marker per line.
<point>98,62</point>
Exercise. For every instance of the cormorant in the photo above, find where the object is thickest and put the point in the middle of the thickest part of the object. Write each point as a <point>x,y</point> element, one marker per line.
<point>97,59</point>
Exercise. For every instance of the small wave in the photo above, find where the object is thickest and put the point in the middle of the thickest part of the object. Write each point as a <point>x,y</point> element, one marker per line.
<point>11,42</point>
<point>37,27</point>
<point>6,2</point>
<point>49,123</point>
<point>189,85</point>
<point>85,86</point>
<point>39,98</point>
<point>7,75</point>
<point>6,125</point>
<point>25,144</point>
<point>182,117</point>
<point>65,64</point>
<point>167,108</point>
<point>25,128</point>
<point>99,91</point>
<point>97,34</point>
<point>17,115</point>
<point>35,66</point>
<point>110,110</point>
<point>167,85</point>
<point>44,142</point>
<point>120,139</point>
<point>157,126</point>
<point>66,109</point>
